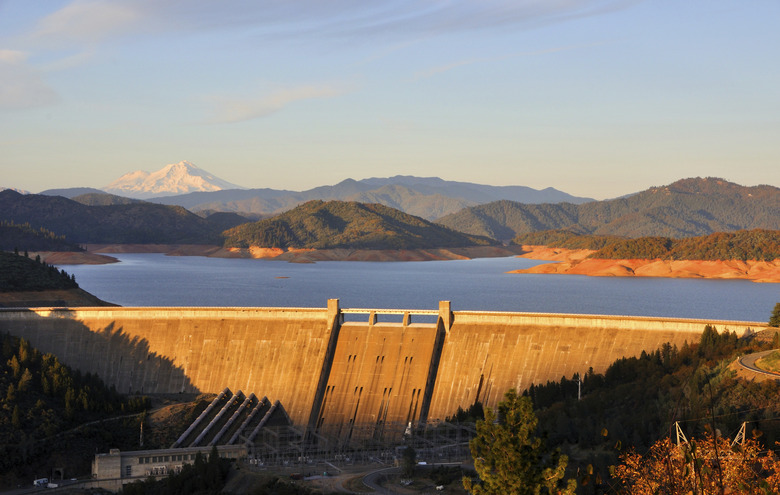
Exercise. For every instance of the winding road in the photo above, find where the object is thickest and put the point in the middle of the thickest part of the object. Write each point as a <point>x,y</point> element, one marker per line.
<point>749,363</point>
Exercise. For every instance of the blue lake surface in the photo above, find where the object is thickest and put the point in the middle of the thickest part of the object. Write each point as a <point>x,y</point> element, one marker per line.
<point>479,284</point>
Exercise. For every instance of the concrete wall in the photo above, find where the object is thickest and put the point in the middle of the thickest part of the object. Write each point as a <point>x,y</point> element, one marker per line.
<point>379,374</point>
<point>334,374</point>
<point>277,352</point>
<point>485,354</point>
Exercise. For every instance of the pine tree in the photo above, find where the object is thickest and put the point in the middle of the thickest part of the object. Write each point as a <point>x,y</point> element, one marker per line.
<point>774,320</point>
<point>408,461</point>
<point>16,417</point>
<point>511,458</point>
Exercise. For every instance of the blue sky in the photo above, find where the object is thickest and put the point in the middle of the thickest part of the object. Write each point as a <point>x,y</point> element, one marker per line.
<point>597,98</point>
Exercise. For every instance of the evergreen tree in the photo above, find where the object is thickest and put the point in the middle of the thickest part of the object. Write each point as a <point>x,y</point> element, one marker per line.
<point>774,320</point>
<point>511,458</point>
<point>408,460</point>
<point>16,417</point>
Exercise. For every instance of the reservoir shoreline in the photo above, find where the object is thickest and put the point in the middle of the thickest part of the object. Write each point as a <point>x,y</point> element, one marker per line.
<point>566,261</point>
<point>576,262</point>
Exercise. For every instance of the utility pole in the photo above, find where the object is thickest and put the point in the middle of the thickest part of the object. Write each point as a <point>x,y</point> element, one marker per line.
<point>680,434</point>
<point>740,438</point>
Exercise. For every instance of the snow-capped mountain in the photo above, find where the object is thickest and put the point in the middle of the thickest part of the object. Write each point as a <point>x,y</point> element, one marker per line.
<point>20,191</point>
<point>175,178</point>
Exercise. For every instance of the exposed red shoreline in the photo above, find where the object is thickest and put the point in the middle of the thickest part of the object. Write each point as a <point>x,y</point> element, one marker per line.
<point>575,262</point>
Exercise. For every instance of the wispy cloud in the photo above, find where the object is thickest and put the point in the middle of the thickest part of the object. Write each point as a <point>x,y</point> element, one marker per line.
<point>12,56</point>
<point>461,63</point>
<point>69,61</point>
<point>95,20</point>
<point>22,86</point>
<point>87,21</point>
<point>240,110</point>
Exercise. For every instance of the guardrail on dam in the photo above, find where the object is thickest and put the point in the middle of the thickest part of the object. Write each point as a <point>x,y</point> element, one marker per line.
<point>332,368</point>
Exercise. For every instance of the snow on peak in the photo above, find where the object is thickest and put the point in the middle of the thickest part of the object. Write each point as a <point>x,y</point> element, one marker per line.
<point>172,179</point>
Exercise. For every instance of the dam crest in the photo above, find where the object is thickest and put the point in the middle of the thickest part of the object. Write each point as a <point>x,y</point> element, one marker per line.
<point>333,368</point>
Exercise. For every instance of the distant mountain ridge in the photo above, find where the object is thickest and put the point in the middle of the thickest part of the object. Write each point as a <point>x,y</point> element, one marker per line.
<point>686,208</point>
<point>173,179</point>
<point>426,197</point>
<point>135,222</point>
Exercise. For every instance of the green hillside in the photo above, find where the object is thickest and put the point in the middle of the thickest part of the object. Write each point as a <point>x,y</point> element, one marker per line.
<point>762,245</point>
<point>339,224</point>
<point>131,223</point>
<point>758,244</point>
<point>19,273</point>
<point>42,400</point>
<point>25,238</point>
<point>686,208</point>
<point>565,238</point>
<point>637,400</point>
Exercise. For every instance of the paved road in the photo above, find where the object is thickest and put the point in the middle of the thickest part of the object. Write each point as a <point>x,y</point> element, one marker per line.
<point>749,363</point>
<point>371,480</point>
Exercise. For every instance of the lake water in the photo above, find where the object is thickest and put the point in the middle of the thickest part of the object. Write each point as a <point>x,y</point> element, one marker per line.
<point>479,284</point>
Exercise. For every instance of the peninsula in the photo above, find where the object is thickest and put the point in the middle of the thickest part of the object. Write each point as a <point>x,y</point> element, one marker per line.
<point>751,255</point>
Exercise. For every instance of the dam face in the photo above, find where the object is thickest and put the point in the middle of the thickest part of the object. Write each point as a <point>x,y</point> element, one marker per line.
<point>332,373</point>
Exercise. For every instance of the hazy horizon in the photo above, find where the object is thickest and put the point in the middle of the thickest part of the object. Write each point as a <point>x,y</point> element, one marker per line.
<point>596,98</point>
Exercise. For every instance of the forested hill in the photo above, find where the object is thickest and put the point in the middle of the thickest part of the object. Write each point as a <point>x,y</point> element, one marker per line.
<point>20,273</point>
<point>135,223</point>
<point>25,238</point>
<point>566,239</point>
<point>757,244</point>
<point>686,208</point>
<point>42,398</point>
<point>339,224</point>
<point>637,400</point>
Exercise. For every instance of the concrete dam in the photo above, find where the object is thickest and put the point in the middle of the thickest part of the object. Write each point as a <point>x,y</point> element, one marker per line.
<point>333,368</point>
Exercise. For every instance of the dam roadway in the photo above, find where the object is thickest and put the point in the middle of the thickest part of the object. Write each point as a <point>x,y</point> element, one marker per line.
<point>335,368</point>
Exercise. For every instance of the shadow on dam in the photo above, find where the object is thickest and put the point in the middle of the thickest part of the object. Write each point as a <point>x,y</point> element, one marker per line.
<point>118,358</point>
<point>332,367</point>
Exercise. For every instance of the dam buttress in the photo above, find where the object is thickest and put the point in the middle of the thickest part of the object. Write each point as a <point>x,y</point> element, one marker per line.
<point>334,368</point>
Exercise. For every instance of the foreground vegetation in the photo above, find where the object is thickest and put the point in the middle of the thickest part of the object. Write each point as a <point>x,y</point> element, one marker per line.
<point>637,401</point>
<point>45,411</point>
<point>615,427</point>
